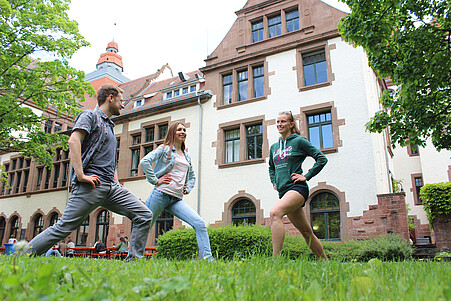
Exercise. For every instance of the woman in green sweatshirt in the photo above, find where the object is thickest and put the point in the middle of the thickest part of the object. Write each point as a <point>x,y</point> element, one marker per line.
<point>287,177</point>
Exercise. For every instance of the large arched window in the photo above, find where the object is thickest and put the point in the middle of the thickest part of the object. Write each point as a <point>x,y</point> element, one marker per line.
<point>53,219</point>
<point>243,212</point>
<point>38,224</point>
<point>103,221</point>
<point>2,229</point>
<point>325,216</point>
<point>164,223</point>
<point>82,233</point>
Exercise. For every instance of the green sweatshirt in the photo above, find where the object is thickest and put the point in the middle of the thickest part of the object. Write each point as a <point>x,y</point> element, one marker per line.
<point>286,157</point>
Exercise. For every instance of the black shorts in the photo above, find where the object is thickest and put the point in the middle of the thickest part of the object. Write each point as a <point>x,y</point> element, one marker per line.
<point>302,191</point>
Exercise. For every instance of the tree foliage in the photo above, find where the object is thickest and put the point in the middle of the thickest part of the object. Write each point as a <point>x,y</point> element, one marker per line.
<point>408,41</point>
<point>37,28</point>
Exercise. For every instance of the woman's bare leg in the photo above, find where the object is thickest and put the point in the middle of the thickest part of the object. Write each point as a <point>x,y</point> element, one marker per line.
<point>298,219</point>
<point>291,201</point>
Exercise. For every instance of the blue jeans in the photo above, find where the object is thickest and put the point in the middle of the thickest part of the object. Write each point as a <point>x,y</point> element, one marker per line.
<point>158,201</point>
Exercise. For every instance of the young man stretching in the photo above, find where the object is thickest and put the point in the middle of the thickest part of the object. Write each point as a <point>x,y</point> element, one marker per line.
<point>92,147</point>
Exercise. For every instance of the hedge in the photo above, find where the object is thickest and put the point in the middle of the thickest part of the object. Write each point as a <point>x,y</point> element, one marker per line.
<point>436,199</point>
<point>231,242</point>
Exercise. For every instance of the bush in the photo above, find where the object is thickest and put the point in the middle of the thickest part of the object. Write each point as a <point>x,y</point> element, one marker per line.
<point>233,242</point>
<point>436,199</point>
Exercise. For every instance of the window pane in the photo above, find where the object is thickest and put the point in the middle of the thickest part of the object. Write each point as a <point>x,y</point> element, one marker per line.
<point>259,81</point>
<point>227,94</point>
<point>321,72</point>
<point>150,134</point>
<point>327,136</point>
<point>333,219</point>
<point>313,134</point>
<point>242,90</point>
<point>309,75</point>
<point>318,225</point>
<point>162,130</point>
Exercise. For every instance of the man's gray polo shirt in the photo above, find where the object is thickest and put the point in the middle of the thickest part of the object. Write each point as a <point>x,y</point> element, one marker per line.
<point>98,148</point>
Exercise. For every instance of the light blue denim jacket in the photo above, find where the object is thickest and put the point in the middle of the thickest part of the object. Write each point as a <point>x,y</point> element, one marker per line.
<point>160,155</point>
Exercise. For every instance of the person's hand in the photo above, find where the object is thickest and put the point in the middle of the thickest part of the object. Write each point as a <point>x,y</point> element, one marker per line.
<point>93,179</point>
<point>275,187</point>
<point>166,179</point>
<point>184,189</point>
<point>298,177</point>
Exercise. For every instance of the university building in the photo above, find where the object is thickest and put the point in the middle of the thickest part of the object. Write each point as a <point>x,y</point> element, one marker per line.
<point>279,55</point>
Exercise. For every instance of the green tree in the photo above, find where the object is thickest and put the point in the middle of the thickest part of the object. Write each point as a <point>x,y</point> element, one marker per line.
<point>408,41</point>
<point>36,28</point>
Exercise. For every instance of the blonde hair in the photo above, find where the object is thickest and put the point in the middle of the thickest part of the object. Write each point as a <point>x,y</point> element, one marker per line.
<point>295,128</point>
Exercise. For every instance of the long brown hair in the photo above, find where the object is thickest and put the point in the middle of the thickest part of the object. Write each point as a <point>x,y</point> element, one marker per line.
<point>170,137</point>
<point>294,129</point>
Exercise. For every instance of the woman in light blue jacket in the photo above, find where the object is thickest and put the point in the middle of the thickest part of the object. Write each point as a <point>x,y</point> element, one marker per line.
<point>173,176</point>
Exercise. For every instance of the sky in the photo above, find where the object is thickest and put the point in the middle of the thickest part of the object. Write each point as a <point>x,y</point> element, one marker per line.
<point>152,33</point>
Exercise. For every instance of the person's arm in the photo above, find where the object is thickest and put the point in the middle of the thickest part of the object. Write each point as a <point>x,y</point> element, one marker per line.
<point>74,142</point>
<point>146,164</point>
<point>191,178</point>
<point>320,159</point>
<point>272,170</point>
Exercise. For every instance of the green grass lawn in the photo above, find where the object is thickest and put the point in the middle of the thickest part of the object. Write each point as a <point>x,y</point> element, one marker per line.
<point>257,278</point>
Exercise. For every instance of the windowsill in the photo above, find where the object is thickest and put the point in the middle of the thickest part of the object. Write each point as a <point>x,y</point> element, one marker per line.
<point>329,150</point>
<point>237,103</point>
<point>29,193</point>
<point>241,163</point>
<point>315,86</point>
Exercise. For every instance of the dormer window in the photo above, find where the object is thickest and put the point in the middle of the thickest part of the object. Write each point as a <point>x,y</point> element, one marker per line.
<point>176,93</point>
<point>185,90</point>
<point>139,103</point>
<point>193,88</point>
<point>169,95</point>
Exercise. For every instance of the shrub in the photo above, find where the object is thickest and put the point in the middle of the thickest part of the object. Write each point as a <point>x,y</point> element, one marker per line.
<point>436,199</point>
<point>233,242</point>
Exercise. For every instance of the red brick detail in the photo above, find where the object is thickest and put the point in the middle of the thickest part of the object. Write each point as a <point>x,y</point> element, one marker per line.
<point>442,231</point>
<point>388,216</point>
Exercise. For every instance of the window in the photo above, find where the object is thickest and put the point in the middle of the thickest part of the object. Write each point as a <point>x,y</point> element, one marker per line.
<point>11,183</point>
<point>38,225</point>
<point>232,145</point>
<point>242,85</point>
<point>176,93</point>
<point>135,162</point>
<point>17,186</point>
<point>292,18</point>
<point>254,140</point>
<point>162,130</point>
<point>56,169</point>
<point>48,172</point>
<point>148,149</point>
<point>48,127</point>
<point>2,228</point>
<point>14,227</point>
<point>65,174</point>
<point>150,134</point>
<point>185,90</point>
<point>164,223</point>
<point>53,219</point>
<point>57,127</point>
<point>413,150</point>
<point>325,216</point>
<point>257,31</point>
<point>417,180</point>
<point>227,88</point>
<point>193,88</point>
<point>259,81</point>
<point>320,130</point>
<point>242,142</point>
<point>25,180</point>
<point>139,103</point>
<point>82,233</point>
<point>274,26</point>
<point>315,68</point>
<point>39,180</point>
<point>169,94</point>
<point>243,213</point>
<point>136,139</point>
<point>102,226</point>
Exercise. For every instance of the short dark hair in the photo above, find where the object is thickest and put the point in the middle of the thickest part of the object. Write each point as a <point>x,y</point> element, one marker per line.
<point>105,91</point>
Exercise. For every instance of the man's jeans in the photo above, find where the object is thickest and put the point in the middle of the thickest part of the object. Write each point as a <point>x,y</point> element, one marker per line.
<point>84,200</point>
<point>157,201</point>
